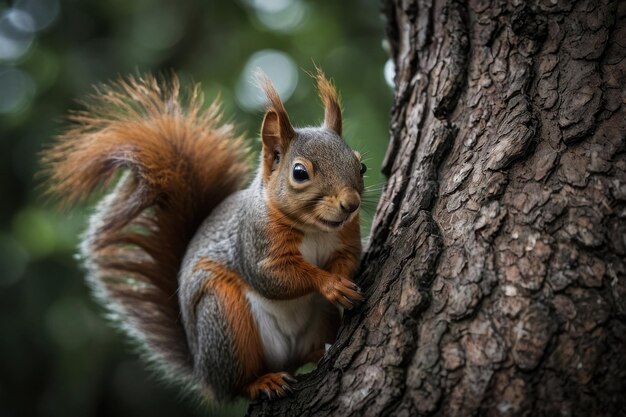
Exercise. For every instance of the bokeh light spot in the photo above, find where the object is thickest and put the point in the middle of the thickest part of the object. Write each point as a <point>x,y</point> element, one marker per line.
<point>284,20</point>
<point>390,73</point>
<point>269,6</point>
<point>278,66</point>
<point>20,20</point>
<point>16,34</point>
<point>41,12</point>
<point>279,15</point>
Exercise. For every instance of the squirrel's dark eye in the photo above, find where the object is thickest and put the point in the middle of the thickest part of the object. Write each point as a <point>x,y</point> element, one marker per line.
<point>299,173</point>
<point>363,168</point>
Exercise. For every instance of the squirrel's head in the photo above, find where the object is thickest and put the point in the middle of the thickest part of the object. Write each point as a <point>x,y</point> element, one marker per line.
<point>311,175</point>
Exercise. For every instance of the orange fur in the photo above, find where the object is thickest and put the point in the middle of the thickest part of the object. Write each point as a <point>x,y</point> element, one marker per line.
<point>275,105</point>
<point>183,162</point>
<point>330,98</point>
<point>274,144</point>
<point>296,276</point>
<point>274,383</point>
<point>284,260</point>
<point>231,288</point>
<point>276,131</point>
<point>140,123</point>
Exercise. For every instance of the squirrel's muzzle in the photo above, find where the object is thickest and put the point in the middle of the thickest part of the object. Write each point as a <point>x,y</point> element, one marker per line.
<point>349,201</point>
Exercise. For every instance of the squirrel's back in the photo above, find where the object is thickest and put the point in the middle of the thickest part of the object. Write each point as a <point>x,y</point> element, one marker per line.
<point>181,162</point>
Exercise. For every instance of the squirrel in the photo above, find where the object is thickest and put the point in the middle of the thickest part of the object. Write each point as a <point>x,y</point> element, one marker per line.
<point>225,287</point>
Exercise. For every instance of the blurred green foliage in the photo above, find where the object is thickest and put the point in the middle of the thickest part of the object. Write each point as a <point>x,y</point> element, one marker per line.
<point>58,355</point>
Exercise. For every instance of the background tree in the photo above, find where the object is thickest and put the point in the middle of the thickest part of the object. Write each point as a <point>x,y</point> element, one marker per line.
<point>58,355</point>
<point>495,273</point>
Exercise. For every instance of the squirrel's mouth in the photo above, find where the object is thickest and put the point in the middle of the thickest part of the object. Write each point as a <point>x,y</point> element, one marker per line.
<point>331,224</point>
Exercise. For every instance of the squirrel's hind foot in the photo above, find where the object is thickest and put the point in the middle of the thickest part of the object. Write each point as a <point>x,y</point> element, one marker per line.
<point>271,385</point>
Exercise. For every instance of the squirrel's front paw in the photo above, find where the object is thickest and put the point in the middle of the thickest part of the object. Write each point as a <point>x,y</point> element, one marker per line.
<point>342,291</point>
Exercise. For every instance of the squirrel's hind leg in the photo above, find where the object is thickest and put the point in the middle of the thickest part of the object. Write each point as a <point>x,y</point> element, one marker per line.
<point>222,303</point>
<point>272,385</point>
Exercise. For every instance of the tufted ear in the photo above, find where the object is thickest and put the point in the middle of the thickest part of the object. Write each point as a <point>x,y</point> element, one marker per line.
<point>276,131</point>
<point>332,108</point>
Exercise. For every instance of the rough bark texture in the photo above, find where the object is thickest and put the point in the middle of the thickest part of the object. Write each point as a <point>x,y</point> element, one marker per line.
<point>496,273</point>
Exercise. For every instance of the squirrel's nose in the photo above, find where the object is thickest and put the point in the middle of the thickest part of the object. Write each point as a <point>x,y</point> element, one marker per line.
<point>350,203</point>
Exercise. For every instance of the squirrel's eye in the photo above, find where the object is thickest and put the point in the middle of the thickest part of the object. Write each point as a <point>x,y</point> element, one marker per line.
<point>363,168</point>
<point>299,173</point>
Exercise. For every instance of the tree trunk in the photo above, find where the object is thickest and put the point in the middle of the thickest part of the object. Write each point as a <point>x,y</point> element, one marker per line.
<point>496,269</point>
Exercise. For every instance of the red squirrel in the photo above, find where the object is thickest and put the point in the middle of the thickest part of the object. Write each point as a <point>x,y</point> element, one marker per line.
<point>227,288</point>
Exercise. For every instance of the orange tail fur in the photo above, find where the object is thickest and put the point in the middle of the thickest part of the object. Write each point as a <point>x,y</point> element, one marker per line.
<point>181,163</point>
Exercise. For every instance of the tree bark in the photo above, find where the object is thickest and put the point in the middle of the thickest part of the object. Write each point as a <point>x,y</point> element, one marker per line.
<point>496,272</point>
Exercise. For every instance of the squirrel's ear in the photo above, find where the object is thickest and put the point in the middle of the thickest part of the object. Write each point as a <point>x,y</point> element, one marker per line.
<point>274,145</point>
<point>332,108</point>
<point>276,132</point>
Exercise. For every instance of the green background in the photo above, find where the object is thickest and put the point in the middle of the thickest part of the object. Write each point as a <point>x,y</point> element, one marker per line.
<point>58,355</point>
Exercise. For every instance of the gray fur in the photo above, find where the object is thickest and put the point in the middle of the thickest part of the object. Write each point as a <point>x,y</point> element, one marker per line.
<point>330,154</point>
<point>210,341</point>
<point>234,235</point>
<point>332,158</point>
<point>173,362</point>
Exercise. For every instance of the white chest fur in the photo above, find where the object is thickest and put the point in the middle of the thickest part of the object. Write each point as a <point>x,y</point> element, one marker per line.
<point>318,248</point>
<point>291,329</point>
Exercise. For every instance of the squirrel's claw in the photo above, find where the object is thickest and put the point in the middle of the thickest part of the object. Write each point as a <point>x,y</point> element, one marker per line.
<point>289,378</point>
<point>288,389</point>
<point>272,386</point>
<point>346,301</point>
<point>343,292</point>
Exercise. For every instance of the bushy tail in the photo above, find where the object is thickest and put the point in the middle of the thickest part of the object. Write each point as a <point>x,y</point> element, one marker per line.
<point>181,163</point>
